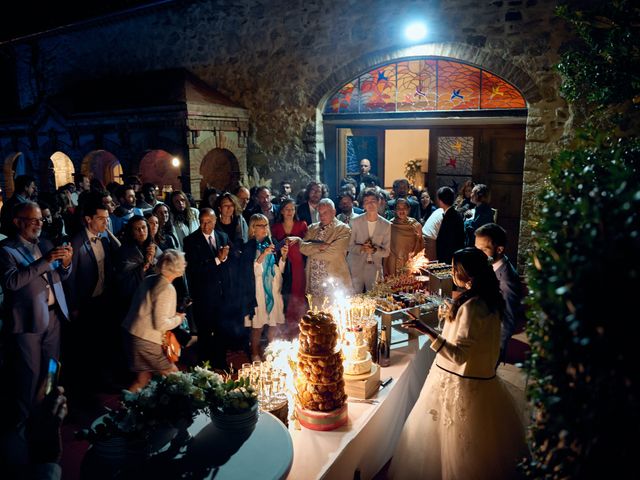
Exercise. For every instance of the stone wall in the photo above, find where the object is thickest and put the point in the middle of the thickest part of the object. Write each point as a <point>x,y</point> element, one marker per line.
<point>281,59</point>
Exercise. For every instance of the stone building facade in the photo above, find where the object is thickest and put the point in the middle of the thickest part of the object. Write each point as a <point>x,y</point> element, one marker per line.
<point>282,59</point>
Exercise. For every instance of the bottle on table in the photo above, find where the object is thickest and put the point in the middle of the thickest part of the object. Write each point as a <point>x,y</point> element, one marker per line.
<point>384,348</point>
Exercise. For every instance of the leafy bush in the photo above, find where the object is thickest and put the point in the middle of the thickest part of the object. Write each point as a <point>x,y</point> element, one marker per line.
<point>586,265</point>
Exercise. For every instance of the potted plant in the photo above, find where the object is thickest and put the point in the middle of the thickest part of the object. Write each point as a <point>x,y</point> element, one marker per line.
<point>233,404</point>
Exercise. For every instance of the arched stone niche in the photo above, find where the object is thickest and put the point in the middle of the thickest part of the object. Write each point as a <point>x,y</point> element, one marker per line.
<point>157,167</point>
<point>102,165</point>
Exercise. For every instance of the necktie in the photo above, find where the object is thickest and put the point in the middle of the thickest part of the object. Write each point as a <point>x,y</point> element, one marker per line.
<point>212,242</point>
<point>95,239</point>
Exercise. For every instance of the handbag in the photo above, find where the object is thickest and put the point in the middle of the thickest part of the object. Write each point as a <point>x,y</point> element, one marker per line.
<point>170,346</point>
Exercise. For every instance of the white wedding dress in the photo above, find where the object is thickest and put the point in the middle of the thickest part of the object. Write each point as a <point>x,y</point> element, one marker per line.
<point>465,424</point>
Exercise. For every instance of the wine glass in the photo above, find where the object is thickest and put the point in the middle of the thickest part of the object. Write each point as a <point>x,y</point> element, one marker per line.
<point>443,313</point>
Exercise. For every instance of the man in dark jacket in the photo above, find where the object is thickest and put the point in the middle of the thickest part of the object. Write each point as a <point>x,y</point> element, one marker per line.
<point>492,240</point>
<point>32,271</point>
<point>451,234</point>
<point>206,251</point>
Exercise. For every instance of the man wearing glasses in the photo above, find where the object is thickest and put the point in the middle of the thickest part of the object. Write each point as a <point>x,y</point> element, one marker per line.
<point>31,272</point>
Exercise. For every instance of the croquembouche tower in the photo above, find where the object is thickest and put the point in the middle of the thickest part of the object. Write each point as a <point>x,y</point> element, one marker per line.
<point>321,399</point>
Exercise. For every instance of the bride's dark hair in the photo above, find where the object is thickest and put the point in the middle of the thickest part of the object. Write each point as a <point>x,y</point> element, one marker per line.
<point>472,265</point>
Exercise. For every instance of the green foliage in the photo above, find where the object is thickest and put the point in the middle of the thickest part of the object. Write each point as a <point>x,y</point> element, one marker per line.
<point>601,68</point>
<point>413,169</point>
<point>585,269</point>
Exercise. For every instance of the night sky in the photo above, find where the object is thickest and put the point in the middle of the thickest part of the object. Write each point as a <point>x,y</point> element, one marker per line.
<point>29,17</point>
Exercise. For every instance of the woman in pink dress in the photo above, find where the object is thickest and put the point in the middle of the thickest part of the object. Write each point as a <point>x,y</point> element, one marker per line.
<point>293,288</point>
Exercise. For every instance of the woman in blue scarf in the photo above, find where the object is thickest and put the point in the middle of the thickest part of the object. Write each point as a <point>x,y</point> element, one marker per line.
<point>263,296</point>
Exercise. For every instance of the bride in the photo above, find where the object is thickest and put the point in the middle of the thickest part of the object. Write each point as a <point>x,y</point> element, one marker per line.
<point>465,424</point>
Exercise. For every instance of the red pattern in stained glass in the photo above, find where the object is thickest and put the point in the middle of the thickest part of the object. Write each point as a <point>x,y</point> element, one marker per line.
<point>378,90</point>
<point>496,93</point>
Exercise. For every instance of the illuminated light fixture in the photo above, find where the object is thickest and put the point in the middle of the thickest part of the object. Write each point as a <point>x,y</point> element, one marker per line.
<point>175,161</point>
<point>415,31</point>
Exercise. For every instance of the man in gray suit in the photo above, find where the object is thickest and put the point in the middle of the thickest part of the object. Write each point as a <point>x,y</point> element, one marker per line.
<point>492,239</point>
<point>369,244</point>
<point>32,271</point>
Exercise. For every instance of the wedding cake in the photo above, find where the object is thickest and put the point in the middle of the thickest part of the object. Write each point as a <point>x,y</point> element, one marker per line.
<point>356,351</point>
<point>319,383</point>
<point>361,375</point>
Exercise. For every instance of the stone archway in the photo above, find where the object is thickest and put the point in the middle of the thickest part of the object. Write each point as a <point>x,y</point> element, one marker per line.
<point>102,165</point>
<point>63,169</point>
<point>219,169</point>
<point>156,167</point>
<point>547,113</point>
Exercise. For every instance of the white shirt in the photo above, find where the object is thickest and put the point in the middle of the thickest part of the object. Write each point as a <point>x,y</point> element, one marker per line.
<point>372,227</point>
<point>211,240</point>
<point>98,252</point>
<point>432,225</point>
<point>314,214</point>
<point>497,264</point>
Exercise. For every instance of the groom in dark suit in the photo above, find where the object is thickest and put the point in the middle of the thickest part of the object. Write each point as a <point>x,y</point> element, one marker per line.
<point>32,271</point>
<point>492,240</point>
<point>206,251</point>
<point>93,332</point>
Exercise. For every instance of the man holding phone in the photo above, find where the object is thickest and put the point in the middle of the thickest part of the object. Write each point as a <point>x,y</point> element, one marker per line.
<point>31,272</point>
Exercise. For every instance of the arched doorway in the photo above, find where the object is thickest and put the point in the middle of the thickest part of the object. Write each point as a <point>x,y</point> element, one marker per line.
<point>63,169</point>
<point>219,169</point>
<point>102,165</point>
<point>14,165</point>
<point>452,120</point>
<point>157,167</point>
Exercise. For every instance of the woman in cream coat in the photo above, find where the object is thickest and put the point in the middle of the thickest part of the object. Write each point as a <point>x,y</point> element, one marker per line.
<point>152,313</point>
<point>465,424</point>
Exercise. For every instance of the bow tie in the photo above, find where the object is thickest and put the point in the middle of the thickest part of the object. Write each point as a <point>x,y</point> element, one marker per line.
<point>95,239</point>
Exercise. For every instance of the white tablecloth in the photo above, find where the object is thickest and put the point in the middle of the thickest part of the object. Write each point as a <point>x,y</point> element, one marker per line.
<point>367,442</point>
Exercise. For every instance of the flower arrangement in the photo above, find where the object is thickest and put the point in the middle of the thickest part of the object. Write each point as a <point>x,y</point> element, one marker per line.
<point>173,400</point>
<point>231,396</point>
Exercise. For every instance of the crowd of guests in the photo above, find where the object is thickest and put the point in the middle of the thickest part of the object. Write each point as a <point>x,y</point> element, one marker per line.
<point>95,275</point>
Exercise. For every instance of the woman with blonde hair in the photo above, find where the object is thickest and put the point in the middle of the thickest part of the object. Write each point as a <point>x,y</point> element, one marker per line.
<point>152,313</point>
<point>262,266</point>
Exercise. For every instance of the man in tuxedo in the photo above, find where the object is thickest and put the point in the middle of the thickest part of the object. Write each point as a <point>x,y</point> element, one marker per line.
<point>366,177</point>
<point>206,251</point>
<point>451,234</point>
<point>93,331</point>
<point>492,240</point>
<point>369,244</point>
<point>32,271</point>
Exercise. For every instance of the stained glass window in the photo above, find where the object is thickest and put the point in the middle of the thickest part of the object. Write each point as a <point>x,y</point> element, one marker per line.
<point>378,90</point>
<point>416,85</point>
<point>496,93</point>
<point>454,161</point>
<point>425,84</point>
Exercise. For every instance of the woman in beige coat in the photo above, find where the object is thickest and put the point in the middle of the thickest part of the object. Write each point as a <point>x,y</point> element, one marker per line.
<point>151,314</point>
